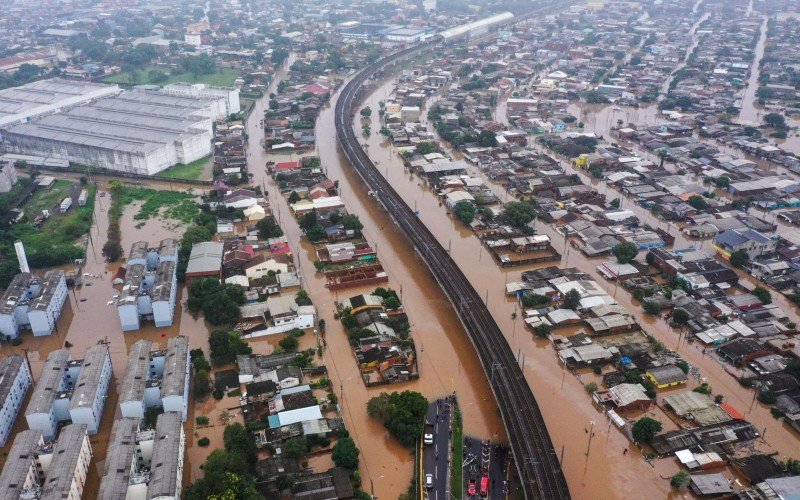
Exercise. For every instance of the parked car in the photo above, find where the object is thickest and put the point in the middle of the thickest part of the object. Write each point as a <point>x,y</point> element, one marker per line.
<point>429,481</point>
<point>471,488</point>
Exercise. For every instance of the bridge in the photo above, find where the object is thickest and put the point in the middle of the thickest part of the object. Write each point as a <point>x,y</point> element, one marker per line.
<point>535,459</point>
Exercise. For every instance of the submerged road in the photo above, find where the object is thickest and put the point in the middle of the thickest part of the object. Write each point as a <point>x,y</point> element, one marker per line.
<point>534,456</point>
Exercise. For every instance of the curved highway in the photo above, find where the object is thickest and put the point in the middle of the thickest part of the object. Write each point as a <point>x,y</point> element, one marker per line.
<point>533,454</point>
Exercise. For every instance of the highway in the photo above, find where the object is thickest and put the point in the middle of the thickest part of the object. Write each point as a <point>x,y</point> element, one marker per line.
<point>535,459</point>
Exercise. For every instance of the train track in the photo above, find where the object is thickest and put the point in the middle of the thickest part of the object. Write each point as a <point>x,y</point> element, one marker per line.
<point>534,456</point>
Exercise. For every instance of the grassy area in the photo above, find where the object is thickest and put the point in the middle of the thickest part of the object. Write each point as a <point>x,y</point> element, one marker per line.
<point>48,198</point>
<point>224,77</point>
<point>457,470</point>
<point>191,171</point>
<point>174,205</point>
<point>8,199</point>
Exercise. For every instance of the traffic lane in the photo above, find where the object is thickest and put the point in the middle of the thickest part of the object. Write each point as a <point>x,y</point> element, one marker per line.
<point>498,467</point>
<point>436,454</point>
<point>472,467</point>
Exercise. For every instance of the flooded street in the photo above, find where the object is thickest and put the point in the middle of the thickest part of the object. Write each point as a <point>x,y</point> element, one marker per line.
<point>749,113</point>
<point>447,360</point>
<point>566,407</point>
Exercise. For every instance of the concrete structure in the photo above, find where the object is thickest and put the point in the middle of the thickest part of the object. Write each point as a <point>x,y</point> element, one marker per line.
<point>157,378</point>
<point>205,260</point>
<point>166,465</point>
<point>476,28</point>
<point>228,95</point>
<point>46,97</point>
<point>752,242</point>
<point>89,396</point>
<point>138,132</point>
<point>70,391</point>
<point>150,285</point>
<point>145,463</point>
<point>32,302</point>
<point>15,379</point>
<point>8,177</point>
<point>68,467</point>
<point>20,472</point>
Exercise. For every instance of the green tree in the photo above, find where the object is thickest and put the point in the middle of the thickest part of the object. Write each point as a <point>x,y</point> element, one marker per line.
<point>651,307</point>
<point>615,203</point>
<point>295,447</point>
<point>238,440</point>
<point>268,228</point>
<point>680,480</point>
<point>366,112</point>
<point>426,148</point>
<point>202,384</point>
<point>294,197</point>
<point>762,294</point>
<point>625,252</point>
<point>225,345</point>
<point>572,299</point>
<point>289,343</point>
<point>351,222</point>
<point>345,454</point>
<point>775,120</point>
<point>465,211</point>
<point>645,429</point>
<point>519,213</point>
<point>698,202</point>
<point>316,233</point>
<point>680,317</point>
<point>542,330</point>
<point>402,413</point>
<point>739,258</point>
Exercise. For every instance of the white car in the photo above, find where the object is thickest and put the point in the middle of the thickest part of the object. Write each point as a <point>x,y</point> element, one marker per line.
<point>110,303</point>
<point>428,438</point>
<point>429,481</point>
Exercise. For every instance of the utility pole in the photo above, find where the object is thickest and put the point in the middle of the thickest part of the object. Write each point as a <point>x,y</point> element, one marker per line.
<point>591,433</point>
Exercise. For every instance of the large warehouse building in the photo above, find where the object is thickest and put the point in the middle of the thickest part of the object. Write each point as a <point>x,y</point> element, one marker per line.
<point>140,132</point>
<point>45,97</point>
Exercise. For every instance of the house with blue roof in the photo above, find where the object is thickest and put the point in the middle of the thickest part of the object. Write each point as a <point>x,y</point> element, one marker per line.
<point>752,242</point>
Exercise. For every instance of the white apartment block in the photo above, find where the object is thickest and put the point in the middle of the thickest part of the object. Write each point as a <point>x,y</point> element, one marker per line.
<point>156,378</point>
<point>228,97</point>
<point>36,469</point>
<point>70,390</point>
<point>15,380</point>
<point>91,389</point>
<point>150,285</point>
<point>32,303</point>
<point>145,463</point>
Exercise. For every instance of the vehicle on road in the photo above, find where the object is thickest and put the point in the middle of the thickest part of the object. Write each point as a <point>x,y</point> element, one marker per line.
<point>427,436</point>
<point>485,486</point>
<point>471,488</point>
<point>110,303</point>
<point>429,481</point>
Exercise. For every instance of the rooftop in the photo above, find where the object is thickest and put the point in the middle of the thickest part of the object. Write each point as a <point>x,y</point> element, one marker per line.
<point>9,369</point>
<point>174,380</point>
<point>121,447</point>
<point>167,449</point>
<point>136,372</point>
<point>18,462</point>
<point>85,392</point>
<point>49,382</point>
<point>205,257</point>
<point>61,473</point>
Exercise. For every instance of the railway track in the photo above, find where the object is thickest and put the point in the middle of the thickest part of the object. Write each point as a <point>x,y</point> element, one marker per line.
<point>533,454</point>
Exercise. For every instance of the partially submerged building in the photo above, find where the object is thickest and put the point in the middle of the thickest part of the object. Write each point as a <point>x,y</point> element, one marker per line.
<point>33,303</point>
<point>145,463</point>
<point>15,379</point>
<point>70,390</point>
<point>150,285</point>
<point>35,469</point>
<point>156,378</point>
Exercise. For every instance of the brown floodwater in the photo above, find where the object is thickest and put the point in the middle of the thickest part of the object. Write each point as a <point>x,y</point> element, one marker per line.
<point>446,359</point>
<point>567,410</point>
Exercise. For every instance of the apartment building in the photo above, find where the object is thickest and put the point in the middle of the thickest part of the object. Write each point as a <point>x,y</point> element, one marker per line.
<point>15,379</point>
<point>156,378</point>
<point>145,463</point>
<point>70,390</point>
<point>91,389</point>
<point>150,285</point>
<point>33,303</point>
<point>35,469</point>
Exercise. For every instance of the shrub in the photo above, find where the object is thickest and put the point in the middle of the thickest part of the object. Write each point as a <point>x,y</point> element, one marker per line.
<point>203,442</point>
<point>201,420</point>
